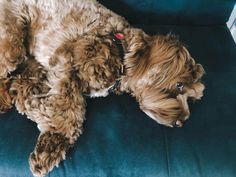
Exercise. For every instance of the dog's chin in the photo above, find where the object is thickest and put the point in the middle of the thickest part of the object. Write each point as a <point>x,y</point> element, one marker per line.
<point>172,112</point>
<point>174,123</point>
<point>158,119</point>
<point>169,112</point>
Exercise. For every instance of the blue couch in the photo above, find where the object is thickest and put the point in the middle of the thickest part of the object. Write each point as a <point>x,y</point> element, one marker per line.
<point>121,141</point>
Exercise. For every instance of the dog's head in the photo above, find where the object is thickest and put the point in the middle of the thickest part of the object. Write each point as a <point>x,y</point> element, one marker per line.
<point>166,79</point>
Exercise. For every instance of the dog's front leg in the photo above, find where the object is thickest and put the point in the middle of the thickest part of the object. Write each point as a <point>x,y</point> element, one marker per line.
<point>58,132</point>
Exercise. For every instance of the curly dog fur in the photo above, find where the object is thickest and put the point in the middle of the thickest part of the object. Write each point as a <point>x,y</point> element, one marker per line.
<point>53,53</point>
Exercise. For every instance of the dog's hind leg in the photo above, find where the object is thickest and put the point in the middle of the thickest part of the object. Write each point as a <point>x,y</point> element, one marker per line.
<point>12,27</point>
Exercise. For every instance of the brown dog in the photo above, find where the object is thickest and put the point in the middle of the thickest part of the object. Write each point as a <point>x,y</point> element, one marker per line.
<point>61,51</point>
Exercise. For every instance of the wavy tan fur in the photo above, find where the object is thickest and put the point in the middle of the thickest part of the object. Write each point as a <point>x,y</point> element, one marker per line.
<point>65,51</point>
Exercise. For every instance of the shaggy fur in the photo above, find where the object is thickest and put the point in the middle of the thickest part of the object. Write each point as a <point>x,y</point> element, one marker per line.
<point>59,51</point>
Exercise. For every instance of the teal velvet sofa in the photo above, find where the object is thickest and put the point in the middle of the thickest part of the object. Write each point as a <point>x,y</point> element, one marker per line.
<point>121,141</point>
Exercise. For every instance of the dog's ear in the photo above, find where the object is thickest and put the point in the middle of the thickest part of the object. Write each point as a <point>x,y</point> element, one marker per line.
<point>168,57</point>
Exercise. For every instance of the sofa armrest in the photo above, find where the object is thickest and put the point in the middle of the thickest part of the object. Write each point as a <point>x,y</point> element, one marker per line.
<point>232,23</point>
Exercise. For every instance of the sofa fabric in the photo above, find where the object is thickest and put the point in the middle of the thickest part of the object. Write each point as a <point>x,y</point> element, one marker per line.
<point>194,12</point>
<point>121,141</point>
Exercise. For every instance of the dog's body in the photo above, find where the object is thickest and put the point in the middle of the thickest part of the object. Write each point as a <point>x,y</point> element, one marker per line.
<point>67,51</point>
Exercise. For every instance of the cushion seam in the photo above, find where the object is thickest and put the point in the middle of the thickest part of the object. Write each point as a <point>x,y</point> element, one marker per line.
<point>167,154</point>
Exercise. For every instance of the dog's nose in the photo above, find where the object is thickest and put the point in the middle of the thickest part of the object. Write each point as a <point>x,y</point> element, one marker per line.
<point>178,124</point>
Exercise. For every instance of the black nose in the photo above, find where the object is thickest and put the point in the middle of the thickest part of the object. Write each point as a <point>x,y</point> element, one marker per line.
<point>178,124</point>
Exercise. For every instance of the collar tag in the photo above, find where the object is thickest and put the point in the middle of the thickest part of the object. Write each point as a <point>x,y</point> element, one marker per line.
<point>119,36</point>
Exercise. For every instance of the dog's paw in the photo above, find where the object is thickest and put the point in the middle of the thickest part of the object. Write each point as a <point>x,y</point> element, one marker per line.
<point>41,164</point>
<point>37,165</point>
<point>50,150</point>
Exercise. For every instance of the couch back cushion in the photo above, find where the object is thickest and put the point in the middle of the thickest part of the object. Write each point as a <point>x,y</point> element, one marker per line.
<point>194,12</point>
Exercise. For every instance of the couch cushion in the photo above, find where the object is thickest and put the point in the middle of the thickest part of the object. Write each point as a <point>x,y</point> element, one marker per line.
<point>121,141</point>
<point>201,12</point>
<point>17,140</point>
